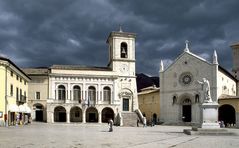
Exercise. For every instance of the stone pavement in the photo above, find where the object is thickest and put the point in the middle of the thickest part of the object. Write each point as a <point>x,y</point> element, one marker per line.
<point>58,135</point>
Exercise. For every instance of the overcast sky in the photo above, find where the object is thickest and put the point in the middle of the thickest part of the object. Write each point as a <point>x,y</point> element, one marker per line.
<point>36,33</point>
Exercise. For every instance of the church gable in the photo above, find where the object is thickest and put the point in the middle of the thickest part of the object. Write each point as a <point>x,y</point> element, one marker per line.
<point>185,59</point>
<point>185,71</point>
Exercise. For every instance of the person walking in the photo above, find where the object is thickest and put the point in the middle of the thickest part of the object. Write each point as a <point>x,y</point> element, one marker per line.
<point>137,122</point>
<point>144,121</point>
<point>111,125</point>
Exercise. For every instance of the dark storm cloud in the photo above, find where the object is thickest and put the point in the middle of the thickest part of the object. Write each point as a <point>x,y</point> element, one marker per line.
<point>43,32</point>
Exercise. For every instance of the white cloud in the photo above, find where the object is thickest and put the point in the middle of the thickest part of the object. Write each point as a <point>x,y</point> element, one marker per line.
<point>74,42</point>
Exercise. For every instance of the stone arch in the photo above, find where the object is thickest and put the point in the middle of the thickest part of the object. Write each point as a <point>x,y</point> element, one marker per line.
<point>186,96</point>
<point>75,114</point>
<point>227,114</point>
<point>91,114</point>
<point>59,114</point>
<point>38,113</point>
<point>186,107</point>
<point>107,113</point>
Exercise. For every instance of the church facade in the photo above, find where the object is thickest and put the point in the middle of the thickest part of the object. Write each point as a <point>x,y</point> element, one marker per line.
<point>78,93</point>
<point>181,94</point>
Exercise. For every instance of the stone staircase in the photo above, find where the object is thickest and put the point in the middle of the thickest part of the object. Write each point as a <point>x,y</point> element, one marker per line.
<point>129,119</point>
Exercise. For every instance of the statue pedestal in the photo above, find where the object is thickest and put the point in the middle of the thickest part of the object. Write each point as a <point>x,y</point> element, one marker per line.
<point>210,125</point>
<point>210,115</point>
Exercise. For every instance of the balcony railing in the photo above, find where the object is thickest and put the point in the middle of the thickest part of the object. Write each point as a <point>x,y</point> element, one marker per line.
<point>22,99</point>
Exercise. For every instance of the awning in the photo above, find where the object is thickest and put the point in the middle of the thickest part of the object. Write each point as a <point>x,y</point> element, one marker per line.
<point>13,108</point>
<point>27,108</point>
<point>22,109</point>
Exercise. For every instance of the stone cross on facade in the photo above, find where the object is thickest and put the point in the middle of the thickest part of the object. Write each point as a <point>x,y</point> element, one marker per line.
<point>186,46</point>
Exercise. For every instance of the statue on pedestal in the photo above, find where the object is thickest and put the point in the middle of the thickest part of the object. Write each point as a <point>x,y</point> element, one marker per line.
<point>206,90</point>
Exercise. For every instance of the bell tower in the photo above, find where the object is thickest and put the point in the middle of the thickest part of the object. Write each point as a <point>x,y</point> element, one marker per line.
<point>122,62</point>
<point>122,52</point>
<point>235,57</point>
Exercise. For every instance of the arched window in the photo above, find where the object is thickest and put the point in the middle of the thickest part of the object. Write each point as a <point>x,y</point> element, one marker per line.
<point>196,98</point>
<point>76,93</point>
<point>123,50</point>
<point>107,94</point>
<point>92,93</point>
<point>174,99</point>
<point>61,92</point>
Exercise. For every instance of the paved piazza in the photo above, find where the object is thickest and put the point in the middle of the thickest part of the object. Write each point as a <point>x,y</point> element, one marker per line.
<point>97,135</point>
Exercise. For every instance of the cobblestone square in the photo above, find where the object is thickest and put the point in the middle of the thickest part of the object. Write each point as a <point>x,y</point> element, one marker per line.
<point>45,135</point>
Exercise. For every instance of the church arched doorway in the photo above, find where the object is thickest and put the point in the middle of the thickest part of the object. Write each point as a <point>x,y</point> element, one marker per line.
<point>107,113</point>
<point>186,110</point>
<point>227,114</point>
<point>60,114</point>
<point>38,112</point>
<point>91,114</point>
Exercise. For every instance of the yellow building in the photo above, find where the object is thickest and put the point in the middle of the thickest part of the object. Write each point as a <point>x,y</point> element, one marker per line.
<point>229,110</point>
<point>229,104</point>
<point>149,103</point>
<point>13,93</point>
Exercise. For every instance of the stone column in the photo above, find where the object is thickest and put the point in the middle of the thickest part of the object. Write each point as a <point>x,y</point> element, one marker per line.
<point>67,117</point>
<point>98,96</point>
<point>83,116</point>
<point>237,119</point>
<point>52,117</point>
<point>33,114</point>
<point>99,117</point>
<point>68,91</point>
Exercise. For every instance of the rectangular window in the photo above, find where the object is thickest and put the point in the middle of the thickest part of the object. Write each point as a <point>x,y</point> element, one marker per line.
<point>12,73</point>
<point>17,95</point>
<point>17,77</point>
<point>11,90</point>
<point>125,104</point>
<point>20,79</point>
<point>25,96</point>
<point>25,82</point>
<point>38,96</point>
<point>21,94</point>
